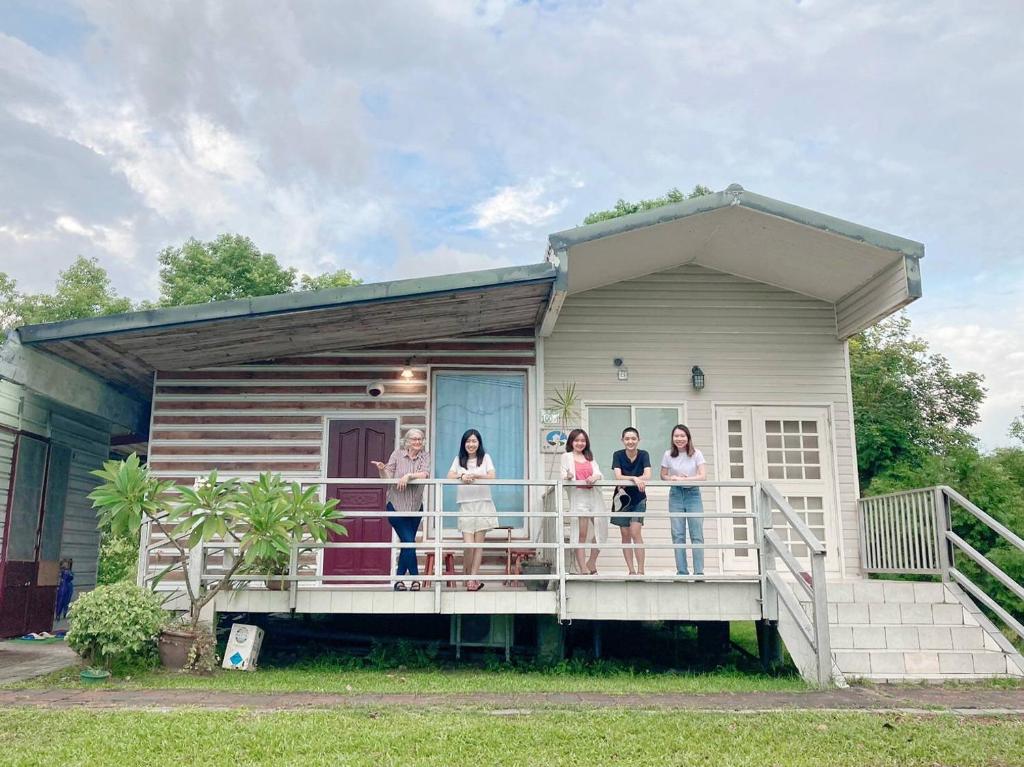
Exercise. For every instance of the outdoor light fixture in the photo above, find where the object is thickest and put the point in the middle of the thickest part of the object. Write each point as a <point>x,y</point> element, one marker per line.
<point>407,373</point>
<point>697,377</point>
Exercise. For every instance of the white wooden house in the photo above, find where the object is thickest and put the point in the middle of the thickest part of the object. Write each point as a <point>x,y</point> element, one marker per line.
<point>760,295</point>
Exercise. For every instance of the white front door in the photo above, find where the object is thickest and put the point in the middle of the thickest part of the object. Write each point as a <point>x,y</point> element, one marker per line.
<point>791,447</point>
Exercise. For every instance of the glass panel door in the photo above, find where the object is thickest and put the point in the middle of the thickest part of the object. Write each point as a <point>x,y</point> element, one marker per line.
<point>495,405</point>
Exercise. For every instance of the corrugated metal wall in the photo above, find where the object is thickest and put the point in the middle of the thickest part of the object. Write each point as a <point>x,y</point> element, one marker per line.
<point>757,344</point>
<point>88,437</point>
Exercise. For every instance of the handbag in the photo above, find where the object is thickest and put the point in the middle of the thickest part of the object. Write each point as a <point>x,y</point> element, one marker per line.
<point>620,500</point>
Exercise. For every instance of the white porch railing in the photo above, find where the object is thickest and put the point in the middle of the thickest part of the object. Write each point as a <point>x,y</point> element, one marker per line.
<point>545,516</point>
<point>912,532</point>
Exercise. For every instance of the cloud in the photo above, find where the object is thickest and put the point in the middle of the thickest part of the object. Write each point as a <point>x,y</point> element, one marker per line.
<point>444,260</point>
<point>401,138</point>
<point>992,343</point>
<point>517,205</point>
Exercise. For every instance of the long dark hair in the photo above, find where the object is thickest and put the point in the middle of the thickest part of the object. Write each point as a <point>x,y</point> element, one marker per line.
<point>572,438</point>
<point>464,456</point>
<point>689,440</point>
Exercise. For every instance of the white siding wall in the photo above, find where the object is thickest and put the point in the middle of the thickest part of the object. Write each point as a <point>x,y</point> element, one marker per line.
<point>756,343</point>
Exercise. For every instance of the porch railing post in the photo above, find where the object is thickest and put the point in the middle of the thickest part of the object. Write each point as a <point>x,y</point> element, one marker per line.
<point>560,550</point>
<point>769,599</point>
<point>438,543</point>
<point>822,639</point>
<point>196,565</point>
<point>943,524</point>
<point>293,573</point>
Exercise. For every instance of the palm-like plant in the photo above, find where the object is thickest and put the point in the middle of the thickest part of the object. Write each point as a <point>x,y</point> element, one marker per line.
<point>264,519</point>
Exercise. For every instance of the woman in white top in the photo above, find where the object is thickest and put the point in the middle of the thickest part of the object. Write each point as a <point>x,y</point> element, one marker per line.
<point>477,513</point>
<point>578,465</point>
<point>684,463</point>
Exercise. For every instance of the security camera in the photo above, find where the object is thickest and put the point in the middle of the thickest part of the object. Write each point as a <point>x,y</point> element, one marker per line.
<point>375,389</point>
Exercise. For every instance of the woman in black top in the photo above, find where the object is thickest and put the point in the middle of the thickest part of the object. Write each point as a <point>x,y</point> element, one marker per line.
<point>635,464</point>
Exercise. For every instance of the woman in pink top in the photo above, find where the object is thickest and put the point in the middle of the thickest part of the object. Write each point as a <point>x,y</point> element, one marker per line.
<point>578,465</point>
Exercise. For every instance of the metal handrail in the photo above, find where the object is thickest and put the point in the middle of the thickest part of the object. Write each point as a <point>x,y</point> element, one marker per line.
<point>776,590</point>
<point>938,534</point>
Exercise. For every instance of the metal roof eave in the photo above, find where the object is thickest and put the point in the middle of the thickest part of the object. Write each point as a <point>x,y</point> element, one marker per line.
<point>735,195</point>
<point>176,316</point>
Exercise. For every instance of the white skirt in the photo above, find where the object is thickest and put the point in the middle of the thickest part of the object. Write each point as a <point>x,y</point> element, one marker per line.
<point>587,501</point>
<point>484,516</point>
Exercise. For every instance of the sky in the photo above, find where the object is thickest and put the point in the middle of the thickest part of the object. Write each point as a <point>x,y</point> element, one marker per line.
<point>401,138</point>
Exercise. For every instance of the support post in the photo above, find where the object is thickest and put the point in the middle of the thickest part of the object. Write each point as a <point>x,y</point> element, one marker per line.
<point>769,645</point>
<point>550,640</point>
<point>293,572</point>
<point>712,640</point>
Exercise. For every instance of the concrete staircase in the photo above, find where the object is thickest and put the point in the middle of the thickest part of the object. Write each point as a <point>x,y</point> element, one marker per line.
<point>904,631</point>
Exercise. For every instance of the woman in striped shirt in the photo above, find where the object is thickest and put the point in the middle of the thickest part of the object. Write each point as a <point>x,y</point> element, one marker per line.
<point>408,463</point>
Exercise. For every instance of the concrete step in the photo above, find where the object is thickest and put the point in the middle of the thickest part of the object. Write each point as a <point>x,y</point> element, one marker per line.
<point>907,631</point>
<point>894,665</point>
<point>911,637</point>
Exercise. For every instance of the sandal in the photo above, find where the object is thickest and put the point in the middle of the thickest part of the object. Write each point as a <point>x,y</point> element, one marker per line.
<point>477,585</point>
<point>415,586</point>
<point>400,586</point>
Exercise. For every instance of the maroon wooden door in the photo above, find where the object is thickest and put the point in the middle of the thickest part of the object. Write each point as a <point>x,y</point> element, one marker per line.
<point>352,445</point>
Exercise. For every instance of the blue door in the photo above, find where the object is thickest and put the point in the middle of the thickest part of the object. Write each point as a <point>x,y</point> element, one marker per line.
<point>495,405</point>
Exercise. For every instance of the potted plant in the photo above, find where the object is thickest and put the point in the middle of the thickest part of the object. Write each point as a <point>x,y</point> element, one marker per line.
<point>263,519</point>
<point>278,514</point>
<point>114,625</point>
<point>533,565</point>
<point>566,406</point>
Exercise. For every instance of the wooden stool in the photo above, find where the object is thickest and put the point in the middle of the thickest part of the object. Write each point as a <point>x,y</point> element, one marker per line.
<point>449,565</point>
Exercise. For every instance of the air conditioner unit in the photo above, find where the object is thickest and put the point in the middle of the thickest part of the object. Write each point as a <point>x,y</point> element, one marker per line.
<point>482,631</point>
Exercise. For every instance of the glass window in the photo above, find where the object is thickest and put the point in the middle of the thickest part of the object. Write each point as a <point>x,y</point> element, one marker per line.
<point>655,425</point>
<point>606,425</point>
<point>494,405</point>
<point>606,422</point>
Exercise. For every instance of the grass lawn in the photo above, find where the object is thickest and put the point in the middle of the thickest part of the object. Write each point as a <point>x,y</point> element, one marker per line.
<point>328,676</point>
<point>478,738</point>
<point>400,667</point>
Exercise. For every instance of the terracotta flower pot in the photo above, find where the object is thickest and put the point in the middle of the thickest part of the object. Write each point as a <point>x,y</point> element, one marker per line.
<point>276,584</point>
<point>174,645</point>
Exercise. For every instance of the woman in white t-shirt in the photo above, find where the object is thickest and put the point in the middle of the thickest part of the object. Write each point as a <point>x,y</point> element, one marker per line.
<point>684,463</point>
<point>477,513</point>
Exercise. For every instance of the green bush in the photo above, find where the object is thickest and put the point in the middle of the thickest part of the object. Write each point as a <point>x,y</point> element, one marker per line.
<point>115,626</point>
<point>119,558</point>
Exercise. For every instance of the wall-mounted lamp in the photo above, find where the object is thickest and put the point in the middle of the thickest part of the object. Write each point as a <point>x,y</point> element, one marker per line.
<point>697,377</point>
<point>407,374</point>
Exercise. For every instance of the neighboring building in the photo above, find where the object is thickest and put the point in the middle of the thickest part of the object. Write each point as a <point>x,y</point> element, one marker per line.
<point>760,295</point>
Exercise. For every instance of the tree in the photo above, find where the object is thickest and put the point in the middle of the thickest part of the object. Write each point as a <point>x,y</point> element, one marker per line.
<point>229,267</point>
<point>82,290</point>
<point>623,208</point>
<point>1017,427</point>
<point>339,279</point>
<point>907,403</point>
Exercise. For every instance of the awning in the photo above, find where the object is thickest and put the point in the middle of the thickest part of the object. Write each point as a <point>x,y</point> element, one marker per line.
<point>127,348</point>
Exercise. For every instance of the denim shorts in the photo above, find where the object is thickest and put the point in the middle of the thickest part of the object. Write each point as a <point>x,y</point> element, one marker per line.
<point>637,512</point>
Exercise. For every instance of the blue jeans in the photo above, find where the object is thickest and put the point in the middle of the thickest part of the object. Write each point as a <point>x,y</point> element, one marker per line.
<point>686,500</point>
<point>406,528</point>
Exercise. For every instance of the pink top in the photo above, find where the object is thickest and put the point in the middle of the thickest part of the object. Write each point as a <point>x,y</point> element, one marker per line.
<point>583,470</point>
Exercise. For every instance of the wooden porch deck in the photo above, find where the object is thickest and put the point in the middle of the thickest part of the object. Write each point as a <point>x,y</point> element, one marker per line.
<point>647,600</point>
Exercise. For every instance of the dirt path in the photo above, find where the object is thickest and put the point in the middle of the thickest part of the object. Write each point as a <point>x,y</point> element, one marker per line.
<point>918,700</point>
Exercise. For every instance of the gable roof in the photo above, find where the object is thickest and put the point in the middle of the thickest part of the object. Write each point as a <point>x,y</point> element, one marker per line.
<point>757,238</point>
